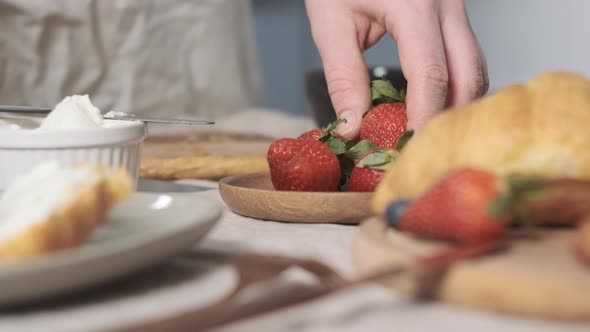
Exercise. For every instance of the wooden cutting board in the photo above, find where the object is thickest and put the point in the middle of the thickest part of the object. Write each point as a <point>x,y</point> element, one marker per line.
<point>538,277</point>
<point>205,155</point>
<point>205,143</point>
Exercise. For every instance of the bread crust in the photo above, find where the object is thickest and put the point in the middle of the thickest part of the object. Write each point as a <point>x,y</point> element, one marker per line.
<point>72,223</point>
<point>582,243</point>
<point>212,167</point>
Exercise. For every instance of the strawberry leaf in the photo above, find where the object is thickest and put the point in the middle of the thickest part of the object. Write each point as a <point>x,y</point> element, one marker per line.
<point>361,148</point>
<point>378,160</point>
<point>526,186</point>
<point>383,167</point>
<point>522,188</point>
<point>327,131</point>
<point>383,91</point>
<point>382,88</point>
<point>501,206</point>
<point>404,139</point>
<point>512,204</point>
<point>337,145</point>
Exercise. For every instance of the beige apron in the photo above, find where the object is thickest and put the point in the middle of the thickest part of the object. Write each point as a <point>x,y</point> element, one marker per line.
<point>149,57</point>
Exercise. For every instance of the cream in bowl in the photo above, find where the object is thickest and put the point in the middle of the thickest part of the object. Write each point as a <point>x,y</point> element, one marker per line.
<point>73,112</point>
<point>74,132</point>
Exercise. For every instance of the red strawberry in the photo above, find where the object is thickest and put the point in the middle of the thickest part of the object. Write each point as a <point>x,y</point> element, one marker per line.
<point>303,165</point>
<point>458,208</point>
<point>385,123</point>
<point>313,134</point>
<point>364,179</point>
<point>323,134</point>
<point>369,171</point>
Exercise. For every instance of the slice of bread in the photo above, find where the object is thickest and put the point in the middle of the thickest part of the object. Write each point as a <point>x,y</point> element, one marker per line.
<point>54,208</point>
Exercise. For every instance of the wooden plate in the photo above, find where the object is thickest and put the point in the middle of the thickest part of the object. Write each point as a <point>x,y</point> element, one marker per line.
<point>253,195</point>
<point>538,277</point>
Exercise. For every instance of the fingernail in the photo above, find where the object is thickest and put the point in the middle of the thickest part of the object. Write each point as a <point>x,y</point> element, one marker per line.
<point>346,129</point>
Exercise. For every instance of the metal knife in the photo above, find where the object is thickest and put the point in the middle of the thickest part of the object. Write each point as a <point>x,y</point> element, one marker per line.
<point>28,111</point>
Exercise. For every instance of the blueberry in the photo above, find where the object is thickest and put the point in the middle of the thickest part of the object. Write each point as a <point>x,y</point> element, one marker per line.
<point>394,212</point>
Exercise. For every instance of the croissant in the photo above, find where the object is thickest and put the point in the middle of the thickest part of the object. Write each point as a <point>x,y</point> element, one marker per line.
<point>582,243</point>
<point>538,128</point>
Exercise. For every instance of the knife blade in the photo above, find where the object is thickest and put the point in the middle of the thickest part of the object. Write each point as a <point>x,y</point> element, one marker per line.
<point>18,112</point>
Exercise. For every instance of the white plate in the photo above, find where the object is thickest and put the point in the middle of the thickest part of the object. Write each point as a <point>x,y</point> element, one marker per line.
<point>142,231</point>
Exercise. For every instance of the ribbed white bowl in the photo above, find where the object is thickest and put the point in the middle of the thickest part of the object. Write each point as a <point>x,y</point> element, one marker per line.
<point>117,144</point>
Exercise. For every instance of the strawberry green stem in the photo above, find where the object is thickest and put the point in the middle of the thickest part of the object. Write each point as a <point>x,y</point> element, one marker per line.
<point>327,131</point>
<point>521,188</point>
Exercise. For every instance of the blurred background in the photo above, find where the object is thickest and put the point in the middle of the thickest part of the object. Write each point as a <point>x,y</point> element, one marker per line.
<point>218,58</point>
<point>520,39</point>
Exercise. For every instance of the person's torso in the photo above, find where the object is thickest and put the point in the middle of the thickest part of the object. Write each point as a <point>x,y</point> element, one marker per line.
<point>151,57</point>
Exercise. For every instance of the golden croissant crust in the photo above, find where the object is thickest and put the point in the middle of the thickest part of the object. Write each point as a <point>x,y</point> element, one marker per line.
<point>541,127</point>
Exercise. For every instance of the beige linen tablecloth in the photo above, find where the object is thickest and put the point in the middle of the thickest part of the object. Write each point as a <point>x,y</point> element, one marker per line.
<point>200,276</point>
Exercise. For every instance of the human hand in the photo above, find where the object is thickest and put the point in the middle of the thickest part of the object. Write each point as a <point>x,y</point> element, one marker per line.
<point>439,54</point>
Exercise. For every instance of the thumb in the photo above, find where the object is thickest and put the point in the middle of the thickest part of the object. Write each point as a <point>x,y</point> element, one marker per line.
<point>347,76</point>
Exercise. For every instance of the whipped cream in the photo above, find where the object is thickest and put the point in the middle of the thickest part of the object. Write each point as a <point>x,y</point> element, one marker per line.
<point>36,195</point>
<point>9,125</point>
<point>73,112</point>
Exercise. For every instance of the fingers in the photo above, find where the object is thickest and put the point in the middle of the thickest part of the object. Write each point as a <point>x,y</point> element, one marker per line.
<point>439,55</point>
<point>423,61</point>
<point>346,71</point>
<point>467,68</point>
<point>484,71</point>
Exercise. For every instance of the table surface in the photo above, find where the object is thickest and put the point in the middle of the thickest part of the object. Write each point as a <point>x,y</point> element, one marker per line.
<point>201,275</point>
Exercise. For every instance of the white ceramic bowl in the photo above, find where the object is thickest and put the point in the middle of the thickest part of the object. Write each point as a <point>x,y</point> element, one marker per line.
<point>116,144</point>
